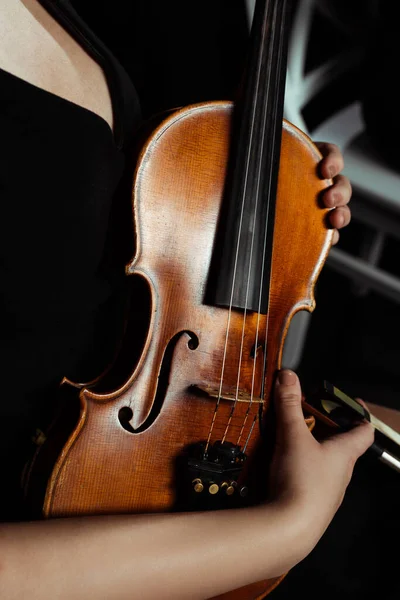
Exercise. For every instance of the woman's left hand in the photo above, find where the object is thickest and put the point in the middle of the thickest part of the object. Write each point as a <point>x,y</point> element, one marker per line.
<point>338,195</point>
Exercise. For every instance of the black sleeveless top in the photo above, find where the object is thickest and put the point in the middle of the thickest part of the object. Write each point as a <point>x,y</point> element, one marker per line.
<point>64,184</point>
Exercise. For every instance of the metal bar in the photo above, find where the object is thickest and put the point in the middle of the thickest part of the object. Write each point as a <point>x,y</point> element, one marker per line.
<point>360,271</point>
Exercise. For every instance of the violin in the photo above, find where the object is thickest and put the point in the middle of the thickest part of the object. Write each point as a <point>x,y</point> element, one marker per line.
<point>230,239</point>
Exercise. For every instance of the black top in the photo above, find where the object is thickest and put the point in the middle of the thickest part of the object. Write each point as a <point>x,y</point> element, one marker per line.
<point>64,183</point>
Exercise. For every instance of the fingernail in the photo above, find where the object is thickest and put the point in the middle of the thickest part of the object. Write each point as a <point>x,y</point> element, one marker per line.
<point>286,377</point>
<point>331,171</point>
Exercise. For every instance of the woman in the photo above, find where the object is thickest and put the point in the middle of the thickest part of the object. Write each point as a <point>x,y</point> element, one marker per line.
<point>68,116</point>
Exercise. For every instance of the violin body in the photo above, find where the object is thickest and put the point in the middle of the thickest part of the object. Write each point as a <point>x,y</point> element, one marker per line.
<point>129,450</point>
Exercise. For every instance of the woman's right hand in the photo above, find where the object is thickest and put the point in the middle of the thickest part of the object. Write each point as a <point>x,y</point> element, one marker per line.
<point>308,476</point>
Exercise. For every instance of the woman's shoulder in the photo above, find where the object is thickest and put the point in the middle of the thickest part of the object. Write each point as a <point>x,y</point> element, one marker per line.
<point>74,17</point>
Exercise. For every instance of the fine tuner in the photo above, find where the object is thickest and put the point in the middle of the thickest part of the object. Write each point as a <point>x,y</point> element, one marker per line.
<point>227,487</point>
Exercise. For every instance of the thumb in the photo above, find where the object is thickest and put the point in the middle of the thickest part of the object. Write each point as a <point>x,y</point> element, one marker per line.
<point>287,396</point>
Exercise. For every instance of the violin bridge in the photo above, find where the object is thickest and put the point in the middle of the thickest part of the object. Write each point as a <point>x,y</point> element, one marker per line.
<point>230,396</point>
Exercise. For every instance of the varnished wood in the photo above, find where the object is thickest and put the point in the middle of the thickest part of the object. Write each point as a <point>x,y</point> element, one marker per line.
<point>177,196</point>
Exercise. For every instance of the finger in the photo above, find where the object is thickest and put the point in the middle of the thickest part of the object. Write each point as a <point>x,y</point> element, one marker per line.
<point>339,193</point>
<point>340,217</point>
<point>287,396</point>
<point>362,403</point>
<point>336,237</point>
<point>352,444</point>
<point>332,162</point>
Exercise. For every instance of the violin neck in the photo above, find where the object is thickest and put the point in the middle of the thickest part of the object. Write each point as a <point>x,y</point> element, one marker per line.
<point>265,75</point>
<point>246,242</point>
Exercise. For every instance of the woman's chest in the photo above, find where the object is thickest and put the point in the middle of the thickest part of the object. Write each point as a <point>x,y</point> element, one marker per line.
<point>35,48</point>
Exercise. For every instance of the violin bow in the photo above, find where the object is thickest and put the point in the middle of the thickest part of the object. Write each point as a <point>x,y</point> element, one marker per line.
<point>332,406</point>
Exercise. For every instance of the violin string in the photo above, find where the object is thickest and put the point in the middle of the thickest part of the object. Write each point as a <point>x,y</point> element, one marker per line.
<point>269,194</point>
<point>249,435</point>
<point>257,198</point>
<point>276,124</point>
<point>252,127</point>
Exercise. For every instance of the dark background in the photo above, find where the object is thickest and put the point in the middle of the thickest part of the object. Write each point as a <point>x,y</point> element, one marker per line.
<point>182,52</point>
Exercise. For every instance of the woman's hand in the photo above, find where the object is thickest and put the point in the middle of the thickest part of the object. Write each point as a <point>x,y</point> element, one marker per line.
<point>307,477</point>
<point>338,195</point>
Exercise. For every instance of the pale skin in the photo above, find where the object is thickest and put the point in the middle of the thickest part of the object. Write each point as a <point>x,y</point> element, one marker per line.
<point>190,555</point>
<point>176,556</point>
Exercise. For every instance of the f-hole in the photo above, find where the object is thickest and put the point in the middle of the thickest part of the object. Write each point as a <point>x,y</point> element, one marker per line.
<point>125,413</point>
